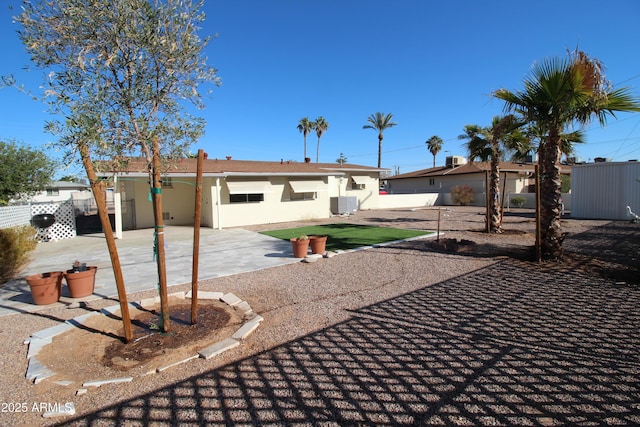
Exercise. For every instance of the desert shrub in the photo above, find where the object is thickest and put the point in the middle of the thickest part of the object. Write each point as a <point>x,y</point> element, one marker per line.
<point>517,202</point>
<point>462,195</point>
<point>15,245</point>
<point>566,183</point>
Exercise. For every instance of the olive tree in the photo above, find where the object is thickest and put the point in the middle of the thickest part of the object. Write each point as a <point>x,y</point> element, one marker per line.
<point>120,75</point>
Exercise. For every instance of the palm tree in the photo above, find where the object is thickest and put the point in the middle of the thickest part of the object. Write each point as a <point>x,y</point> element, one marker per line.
<point>435,145</point>
<point>380,122</point>
<point>320,125</point>
<point>558,94</point>
<point>490,144</point>
<point>305,126</point>
<point>537,138</point>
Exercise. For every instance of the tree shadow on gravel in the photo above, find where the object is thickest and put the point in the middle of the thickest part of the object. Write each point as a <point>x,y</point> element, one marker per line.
<point>617,242</point>
<point>611,250</point>
<point>511,344</point>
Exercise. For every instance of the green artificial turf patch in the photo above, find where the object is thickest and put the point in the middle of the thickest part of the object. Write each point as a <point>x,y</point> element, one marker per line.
<point>348,236</point>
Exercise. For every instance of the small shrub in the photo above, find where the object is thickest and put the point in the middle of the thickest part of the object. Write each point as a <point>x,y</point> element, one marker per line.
<point>462,195</point>
<point>15,245</point>
<point>517,202</point>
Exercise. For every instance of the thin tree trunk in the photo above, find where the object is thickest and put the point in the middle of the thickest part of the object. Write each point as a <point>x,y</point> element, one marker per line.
<point>156,191</point>
<point>503,198</point>
<point>318,150</point>
<point>98,194</point>
<point>305,147</point>
<point>538,227</point>
<point>487,202</point>
<point>380,137</point>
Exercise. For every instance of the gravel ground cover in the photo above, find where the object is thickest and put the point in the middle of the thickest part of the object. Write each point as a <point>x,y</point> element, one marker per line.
<point>402,334</point>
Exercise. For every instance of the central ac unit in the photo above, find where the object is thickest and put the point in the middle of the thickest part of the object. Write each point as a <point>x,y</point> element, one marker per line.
<point>453,161</point>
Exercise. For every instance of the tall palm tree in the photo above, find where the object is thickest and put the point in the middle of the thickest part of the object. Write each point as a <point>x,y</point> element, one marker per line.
<point>305,126</point>
<point>380,122</point>
<point>558,94</point>
<point>490,144</point>
<point>435,145</point>
<point>320,126</point>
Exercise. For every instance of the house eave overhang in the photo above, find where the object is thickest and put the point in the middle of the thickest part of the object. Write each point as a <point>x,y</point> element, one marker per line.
<point>223,174</point>
<point>267,174</point>
<point>347,169</point>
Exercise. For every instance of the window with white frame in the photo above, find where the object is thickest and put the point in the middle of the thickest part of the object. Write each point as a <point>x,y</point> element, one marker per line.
<point>242,191</point>
<point>246,198</point>
<point>359,182</point>
<point>304,189</point>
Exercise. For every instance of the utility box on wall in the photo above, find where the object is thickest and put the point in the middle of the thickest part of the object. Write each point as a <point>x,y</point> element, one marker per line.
<point>344,204</point>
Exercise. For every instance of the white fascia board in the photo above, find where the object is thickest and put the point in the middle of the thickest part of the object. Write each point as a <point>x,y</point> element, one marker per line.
<point>268,174</point>
<point>374,170</point>
<point>172,174</point>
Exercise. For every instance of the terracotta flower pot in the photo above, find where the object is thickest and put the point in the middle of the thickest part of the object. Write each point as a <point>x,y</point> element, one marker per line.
<point>81,283</point>
<point>318,244</point>
<point>300,247</point>
<point>45,287</point>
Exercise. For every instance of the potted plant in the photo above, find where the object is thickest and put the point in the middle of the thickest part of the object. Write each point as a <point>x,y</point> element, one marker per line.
<point>318,244</point>
<point>300,246</point>
<point>45,287</point>
<point>81,279</point>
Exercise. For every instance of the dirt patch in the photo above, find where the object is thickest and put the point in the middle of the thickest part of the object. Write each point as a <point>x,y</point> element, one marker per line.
<point>95,350</point>
<point>150,342</point>
<point>453,245</point>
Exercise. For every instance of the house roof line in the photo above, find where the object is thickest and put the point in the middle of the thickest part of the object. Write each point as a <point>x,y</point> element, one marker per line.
<point>265,174</point>
<point>475,167</point>
<point>221,174</point>
<point>215,167</point>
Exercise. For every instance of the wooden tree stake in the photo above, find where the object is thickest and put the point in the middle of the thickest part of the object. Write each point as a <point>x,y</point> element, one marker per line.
<point>196,239</point>
<point>98,194</point>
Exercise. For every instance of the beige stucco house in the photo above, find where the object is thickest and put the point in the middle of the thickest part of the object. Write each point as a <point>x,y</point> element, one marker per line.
<point>520,179</point>
<point>240,192</point>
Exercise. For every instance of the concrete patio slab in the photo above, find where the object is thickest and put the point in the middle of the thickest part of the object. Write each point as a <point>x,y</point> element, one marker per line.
<point>222,253</point>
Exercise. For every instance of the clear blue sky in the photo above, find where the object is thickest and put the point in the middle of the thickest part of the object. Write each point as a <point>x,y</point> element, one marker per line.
<point>432,64</point>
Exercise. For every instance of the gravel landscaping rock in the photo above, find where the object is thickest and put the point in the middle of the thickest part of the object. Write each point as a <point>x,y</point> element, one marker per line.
<point>400,334</point>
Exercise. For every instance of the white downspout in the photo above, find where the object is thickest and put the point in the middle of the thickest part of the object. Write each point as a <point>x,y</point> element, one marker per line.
<point>117,202</point>
<point>218,204</point>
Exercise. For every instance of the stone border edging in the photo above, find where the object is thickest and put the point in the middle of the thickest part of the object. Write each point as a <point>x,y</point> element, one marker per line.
<point>38,372</point>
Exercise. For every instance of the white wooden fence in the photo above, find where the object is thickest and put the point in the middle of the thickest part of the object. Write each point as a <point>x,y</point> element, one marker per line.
<point>11,216</point>
<point>63,228</point>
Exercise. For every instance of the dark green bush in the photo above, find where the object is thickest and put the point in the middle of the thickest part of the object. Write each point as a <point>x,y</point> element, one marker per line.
<point>517,202</point>
<point>462,195</point>
<point>15,245</point>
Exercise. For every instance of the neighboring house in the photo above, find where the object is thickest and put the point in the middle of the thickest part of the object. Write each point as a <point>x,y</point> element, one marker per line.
<point>604,190</point>
<point>520,178</point>
<point>64,200</point>
<point>238,192</point>
<point>60,191</point>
